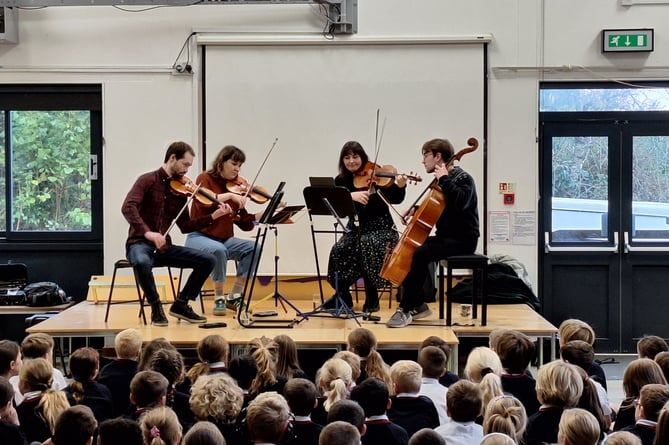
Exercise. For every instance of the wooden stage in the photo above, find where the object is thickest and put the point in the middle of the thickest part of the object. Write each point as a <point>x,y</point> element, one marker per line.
<point>86,319</point>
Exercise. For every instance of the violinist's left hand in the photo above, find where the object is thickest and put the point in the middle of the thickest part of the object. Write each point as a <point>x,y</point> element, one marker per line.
<point>401,181</point>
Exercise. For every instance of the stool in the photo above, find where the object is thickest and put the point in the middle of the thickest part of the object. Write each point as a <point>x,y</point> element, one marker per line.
<point>478,264</point>
<point>125,264</point>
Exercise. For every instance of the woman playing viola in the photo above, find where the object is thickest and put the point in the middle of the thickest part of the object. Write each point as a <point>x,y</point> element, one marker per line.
<point>218,238</point>
<point>360,253</point>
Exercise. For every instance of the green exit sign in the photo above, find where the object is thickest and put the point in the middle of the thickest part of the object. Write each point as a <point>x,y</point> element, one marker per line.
<point>627,40</point>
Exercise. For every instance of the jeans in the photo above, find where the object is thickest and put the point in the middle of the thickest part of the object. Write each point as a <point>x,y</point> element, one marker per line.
<point>144,257</point>
<point>223,250</point>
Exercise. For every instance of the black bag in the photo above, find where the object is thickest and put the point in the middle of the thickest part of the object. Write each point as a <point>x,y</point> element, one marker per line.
<point>45,293</point>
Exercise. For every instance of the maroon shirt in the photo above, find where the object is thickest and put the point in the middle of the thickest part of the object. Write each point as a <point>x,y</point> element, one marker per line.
<point>151,206</point>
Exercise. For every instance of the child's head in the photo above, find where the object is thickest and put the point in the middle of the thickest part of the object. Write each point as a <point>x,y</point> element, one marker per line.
<point>662,359</point>
<point>211,349</point>
<point>267,418</point>
<point>559,384</point>
<point>336,377</point>
<point>75,426</point>
<point>286,356</point>
<point>426,436</point>
<point>244,370</point>
<point>35,375</point>
<point>148,389</point>
<point>623,438</point>
<point>578,426</point>
<point>216,396</point>
<point>652,399</point>
<point>10,358</point>
<point>638,373</point>
<point>407,376</point>
<point>160,426</point>
<point>119,430</point>
<point>348,411</point>
<point>481,361</point>
<point>515,350</point>
<point>264,352</point>
<point>574,329</point>
<point>505,414</point>
<point>170,363</point>
<point>662,427</point>
<point>301,395</point>
<point>204,433</point>
<point>361,341</point>
<point>494,337</point>
<point>150,348</point>
<point>37,345</point>
<point>650,345</point>
<point>497,439</point>
<point>339,433</point>
<point>84,366</point>
<point>6,394</point>
<point>432,360</point>
<point>372,395</point>
<point>464,401</point>
<point>128,344</point>
<point>579,353</point>
<point>353,361</point>
<point>439,342</point>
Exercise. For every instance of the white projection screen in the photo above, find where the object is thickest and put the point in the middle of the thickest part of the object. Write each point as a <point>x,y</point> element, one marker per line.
<point>314,98</point>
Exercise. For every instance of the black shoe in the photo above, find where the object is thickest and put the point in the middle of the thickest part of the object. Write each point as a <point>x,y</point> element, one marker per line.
<point>158,317</point>
<point>183,311</point>
<point>374,307</point>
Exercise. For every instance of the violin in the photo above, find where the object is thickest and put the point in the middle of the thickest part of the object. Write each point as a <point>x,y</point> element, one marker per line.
<point>186,186</point>
<point>382,176</point>
<point>240,186</point>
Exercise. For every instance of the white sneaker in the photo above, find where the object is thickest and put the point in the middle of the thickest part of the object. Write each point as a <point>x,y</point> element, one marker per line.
<point>399,319</point>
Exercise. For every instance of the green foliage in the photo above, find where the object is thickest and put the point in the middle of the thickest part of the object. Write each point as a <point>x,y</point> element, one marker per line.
<point>50,156</point>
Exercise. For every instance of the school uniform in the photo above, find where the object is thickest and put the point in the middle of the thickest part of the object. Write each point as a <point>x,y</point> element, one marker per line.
<point>58,383</point>
<point>644,429</point>
<point>625,416</point>
<point>232,433</point>
<point>33,425</point>
<point>12,434</point>
<point>381,431</point>
<point>542,426</point>
<point>413,412</point>
<point>437,393</point>
<point>319,415</point>
<point>97,397</point>
<point>305,431</point>
<point>523,387</point>
<point>117,376</point>
<point>460,433</point>
<point>448,378</point>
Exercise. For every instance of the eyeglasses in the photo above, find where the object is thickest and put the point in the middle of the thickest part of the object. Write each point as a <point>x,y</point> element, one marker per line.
<point>426,154</point>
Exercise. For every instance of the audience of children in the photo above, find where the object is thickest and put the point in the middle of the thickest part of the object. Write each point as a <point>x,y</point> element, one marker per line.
<point>574,329</point>
<point>373,412</point>
<point>448,377</point>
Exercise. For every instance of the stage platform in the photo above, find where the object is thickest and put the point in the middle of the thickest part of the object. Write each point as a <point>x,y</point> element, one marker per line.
<point>86,319</point>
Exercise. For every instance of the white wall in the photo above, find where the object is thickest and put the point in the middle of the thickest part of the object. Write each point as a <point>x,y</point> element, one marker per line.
<point>145,107</point>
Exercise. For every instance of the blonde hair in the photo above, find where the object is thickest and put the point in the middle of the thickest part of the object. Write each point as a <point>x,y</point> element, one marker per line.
<point>575,329</point>
<point>267,416</point>
<point>263,350</point>
<point>128,344</point>
<point>559,384</point>
<point>160,426</point>
<point>578,427</point>
<point>204,433</point>
<point>481,361</point>
<point>37,375</point>
<point>353,361</point>
<point>497,439</point>
<point>362,341</point>
<point>211,349</point>
<point>491,387</point>
<point>216,396</point>
<point>505,414</point>
<point>336,377</point>
<point>623,438</point>
<point>407,375</point>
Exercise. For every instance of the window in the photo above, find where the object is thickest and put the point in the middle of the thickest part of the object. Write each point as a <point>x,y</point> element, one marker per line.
<point>49,141</point>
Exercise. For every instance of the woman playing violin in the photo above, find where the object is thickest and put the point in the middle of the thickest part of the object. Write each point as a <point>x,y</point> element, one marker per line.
<point>457,230</point>
<point>360,252</point>
<point>218,238</point>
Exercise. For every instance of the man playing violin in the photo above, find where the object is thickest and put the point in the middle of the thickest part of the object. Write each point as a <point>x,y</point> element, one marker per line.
<point>360,252</point>
<point>218,239</point>
<point>150,208</point>
<point>457,230</point>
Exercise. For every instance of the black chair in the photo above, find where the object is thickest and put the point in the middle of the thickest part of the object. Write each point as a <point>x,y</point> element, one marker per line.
<point>478,264</point>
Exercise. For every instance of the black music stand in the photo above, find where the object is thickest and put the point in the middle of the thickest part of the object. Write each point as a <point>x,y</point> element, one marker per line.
<point>268,220</point>
<point>335,202</point>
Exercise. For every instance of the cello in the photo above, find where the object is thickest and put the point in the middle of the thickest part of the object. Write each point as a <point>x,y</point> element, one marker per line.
<point>398,261</point>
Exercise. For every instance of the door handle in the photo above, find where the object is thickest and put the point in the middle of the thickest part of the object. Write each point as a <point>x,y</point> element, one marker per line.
<point>612,249</point>
<point>627,248</point>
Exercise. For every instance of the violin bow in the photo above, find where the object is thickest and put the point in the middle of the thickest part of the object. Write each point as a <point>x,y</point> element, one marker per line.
<point>262,165</point>
<point>185,206</point>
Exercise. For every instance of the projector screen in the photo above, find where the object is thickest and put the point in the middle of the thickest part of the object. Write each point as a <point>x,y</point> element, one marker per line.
<point>314,98</point>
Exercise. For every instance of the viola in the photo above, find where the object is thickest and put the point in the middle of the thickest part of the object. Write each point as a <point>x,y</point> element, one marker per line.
<point>382,176</point>
<point>240,186</point>
<point>185,186</point>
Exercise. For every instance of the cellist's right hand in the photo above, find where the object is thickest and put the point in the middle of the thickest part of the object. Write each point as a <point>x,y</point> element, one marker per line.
<point>362,197</point>
<point>157,239</point>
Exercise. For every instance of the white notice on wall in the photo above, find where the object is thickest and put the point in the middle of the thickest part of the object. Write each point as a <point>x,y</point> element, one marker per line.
<point>498,222</point>
<point>524,228</point>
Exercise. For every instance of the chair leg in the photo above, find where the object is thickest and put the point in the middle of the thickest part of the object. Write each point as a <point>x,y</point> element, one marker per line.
<point>109,298</point>
<point>140,297</point>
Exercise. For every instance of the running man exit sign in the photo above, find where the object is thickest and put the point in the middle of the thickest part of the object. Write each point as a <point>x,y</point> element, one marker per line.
<point>627,40</point>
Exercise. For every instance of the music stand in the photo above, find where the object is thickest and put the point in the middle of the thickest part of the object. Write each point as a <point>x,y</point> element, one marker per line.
<point>268,220</point>
<point>335,202</point>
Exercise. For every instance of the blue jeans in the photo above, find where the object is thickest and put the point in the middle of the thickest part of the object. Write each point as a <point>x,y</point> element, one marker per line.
<point>144,257</point>
<point>223,250</point>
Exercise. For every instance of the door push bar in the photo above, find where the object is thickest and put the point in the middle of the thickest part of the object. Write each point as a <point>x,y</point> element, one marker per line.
<point>612,249</point>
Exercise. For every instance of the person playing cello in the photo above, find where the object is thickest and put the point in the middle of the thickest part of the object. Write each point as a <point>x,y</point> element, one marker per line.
<point>360,252</point>
<point>218,238</point>
<point>457,230</point>
<point>150,208</point>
